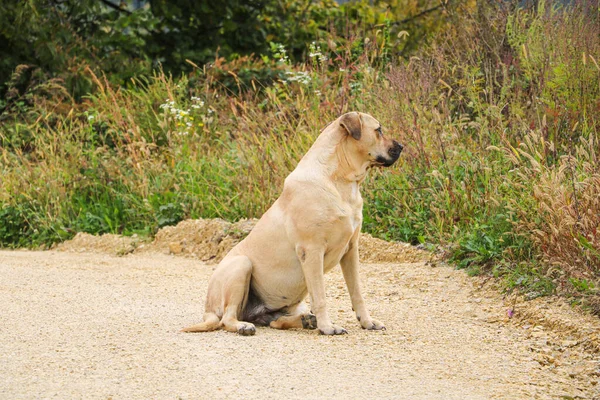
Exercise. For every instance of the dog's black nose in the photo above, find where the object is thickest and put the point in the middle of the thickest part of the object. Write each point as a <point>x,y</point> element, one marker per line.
<point>394,151</point>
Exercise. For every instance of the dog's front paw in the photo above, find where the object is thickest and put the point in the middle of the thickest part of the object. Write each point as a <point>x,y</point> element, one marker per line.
<point>372,325</point>
<point>246,329</point>
<point>332,330</point>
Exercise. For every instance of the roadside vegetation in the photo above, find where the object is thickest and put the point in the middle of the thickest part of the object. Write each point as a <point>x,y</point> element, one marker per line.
<point>499,112</point>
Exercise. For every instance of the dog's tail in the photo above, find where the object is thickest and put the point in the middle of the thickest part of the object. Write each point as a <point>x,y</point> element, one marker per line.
<point>211,322</point>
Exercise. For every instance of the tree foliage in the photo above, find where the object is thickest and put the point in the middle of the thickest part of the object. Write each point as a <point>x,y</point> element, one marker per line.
<point>64,38</point>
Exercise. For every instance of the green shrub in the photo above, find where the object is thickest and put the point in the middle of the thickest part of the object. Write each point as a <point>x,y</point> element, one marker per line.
<point>500,129</point>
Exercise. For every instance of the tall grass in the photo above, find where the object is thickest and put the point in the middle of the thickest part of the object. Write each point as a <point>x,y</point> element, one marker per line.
<point>499,116</point>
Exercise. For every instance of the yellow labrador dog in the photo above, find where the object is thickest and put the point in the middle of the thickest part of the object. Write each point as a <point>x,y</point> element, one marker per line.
<point>310,229</point>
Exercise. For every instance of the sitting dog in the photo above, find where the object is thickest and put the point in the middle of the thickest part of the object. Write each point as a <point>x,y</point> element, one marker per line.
<point>312,227</point>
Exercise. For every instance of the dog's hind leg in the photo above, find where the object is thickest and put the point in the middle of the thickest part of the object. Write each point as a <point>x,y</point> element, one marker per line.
<point>235,285</point>
<point>227,296</point>
<point>298,317</point>
<point>210,323</point>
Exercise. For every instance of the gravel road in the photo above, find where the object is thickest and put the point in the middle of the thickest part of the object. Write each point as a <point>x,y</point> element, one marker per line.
<point>96,326</point>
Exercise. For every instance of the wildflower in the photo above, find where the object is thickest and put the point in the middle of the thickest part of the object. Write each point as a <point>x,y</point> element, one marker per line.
<point>280,52</point>
<point>315,51</point>
<point>167,104</point>
<point>199,102</point>
<point>299,76</point>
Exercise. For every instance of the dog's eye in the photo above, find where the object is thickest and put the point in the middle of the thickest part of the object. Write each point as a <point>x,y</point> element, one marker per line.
<point>379,131</point>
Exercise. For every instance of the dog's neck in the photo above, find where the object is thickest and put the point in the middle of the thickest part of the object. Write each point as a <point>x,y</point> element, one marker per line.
<point>331,155</point>
<point>349,168</point>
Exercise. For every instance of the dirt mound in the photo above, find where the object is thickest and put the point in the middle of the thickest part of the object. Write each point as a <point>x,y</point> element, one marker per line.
<point>107,243</point>
<point>206,239</point>
<point>373,250</point>
<point>211,239</point>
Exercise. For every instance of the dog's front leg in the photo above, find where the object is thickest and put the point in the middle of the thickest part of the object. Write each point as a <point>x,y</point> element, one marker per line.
<point>311,259</point>
<point>349,264</point>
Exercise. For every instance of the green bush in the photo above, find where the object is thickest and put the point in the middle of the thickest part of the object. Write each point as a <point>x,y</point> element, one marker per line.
<point>500,130</point>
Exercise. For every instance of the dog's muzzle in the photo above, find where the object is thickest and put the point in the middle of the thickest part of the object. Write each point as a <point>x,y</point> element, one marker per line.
<point>393,154</point>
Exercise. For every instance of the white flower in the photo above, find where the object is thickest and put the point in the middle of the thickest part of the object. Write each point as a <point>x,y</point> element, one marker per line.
<point>300,76</point>
<point>315,51</point>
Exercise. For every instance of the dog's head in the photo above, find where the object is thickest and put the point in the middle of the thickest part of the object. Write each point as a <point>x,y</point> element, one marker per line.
<point>365,135</point>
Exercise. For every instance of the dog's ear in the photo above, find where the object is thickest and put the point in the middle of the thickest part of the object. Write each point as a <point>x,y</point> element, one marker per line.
<point>352,124</point>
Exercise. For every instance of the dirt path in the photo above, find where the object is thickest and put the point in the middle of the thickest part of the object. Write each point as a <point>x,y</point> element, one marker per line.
<point>100,326</point>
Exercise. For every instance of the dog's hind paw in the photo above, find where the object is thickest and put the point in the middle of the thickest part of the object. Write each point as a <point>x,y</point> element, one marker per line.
<point>309,321</point>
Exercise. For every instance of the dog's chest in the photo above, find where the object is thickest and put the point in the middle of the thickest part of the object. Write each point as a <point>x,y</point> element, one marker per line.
<point>353,208</point>
<point>341,232</point>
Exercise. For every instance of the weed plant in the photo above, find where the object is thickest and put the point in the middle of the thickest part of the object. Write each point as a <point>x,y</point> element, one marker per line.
<point>499,116</point>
